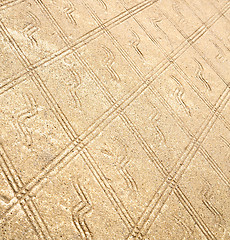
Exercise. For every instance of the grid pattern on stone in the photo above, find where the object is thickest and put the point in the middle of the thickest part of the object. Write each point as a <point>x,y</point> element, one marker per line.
<point>115,119</point>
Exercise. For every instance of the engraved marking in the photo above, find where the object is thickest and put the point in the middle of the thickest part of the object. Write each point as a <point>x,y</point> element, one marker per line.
<point>157,202</point>
<point>79,211</point>
<point>109,64</point>
<point>221,56</point>
<point>200,75</point>
<point>32,28</point>
<point>188,232</point>
<point>125,160</point>
<point>227,143</point>
<point>155,116</point>
<point>24,115</point>
<point>146,84</point>
<point>103,4</point>
<point>74,87</point>
<point>135,43</point>
<point>176,8</point>
<point>155,22</point>
<point>69,13</point>
<point>207,193</point>
<point>179,93</point>
<point>4,199</point>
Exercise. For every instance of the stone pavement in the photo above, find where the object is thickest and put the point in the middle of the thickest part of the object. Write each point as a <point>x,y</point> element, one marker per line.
<point>114,119</point>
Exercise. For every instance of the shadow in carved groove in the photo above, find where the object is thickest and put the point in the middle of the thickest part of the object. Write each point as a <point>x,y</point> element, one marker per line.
<point>74,87</point>
<point>200,74</point>
<point>31,29</point>
<point>109,64</point>
<point>79,211</point>
<point>179,93</point>
<point>121,154</point>
<point>24,115</point>
<point>155,116</point>
<point>135,44</point>
<point>69,13</point>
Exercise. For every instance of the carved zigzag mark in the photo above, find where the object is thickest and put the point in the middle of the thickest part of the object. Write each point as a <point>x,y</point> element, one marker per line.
<point>155,116</point>
<point>200,75</point>
<point>177,10</point>
<point>123,160</point>
<point>188,232</point>
<point>124,172</point>
<point>221,56</point>
<point>103,4</point>
<point>4,199</point>
<point>155,22</point>
<point>207,193</point>
<point>74,87</point>
<point>109,64</point>
<point>27,113</point>
<point>227,143</point>
<point>179,93</point>
<point>32,28</point>
<point>79,211</point>
<point>135,42</point>
<point>69,13</point>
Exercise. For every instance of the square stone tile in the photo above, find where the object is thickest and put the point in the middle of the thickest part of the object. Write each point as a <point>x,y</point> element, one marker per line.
<point>30,132</point>
<point>209,195</point>
<point>175,88</point>
<point>31,31</point>
<point>77,94</point>
<point>131,173</point>
<point>202,78</point>
<point>80,207</point>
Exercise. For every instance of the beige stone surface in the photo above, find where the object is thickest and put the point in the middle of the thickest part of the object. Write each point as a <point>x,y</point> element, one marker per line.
<point>114,119</point>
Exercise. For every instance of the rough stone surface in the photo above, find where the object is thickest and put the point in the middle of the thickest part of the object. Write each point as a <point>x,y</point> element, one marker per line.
<point>114,119</point>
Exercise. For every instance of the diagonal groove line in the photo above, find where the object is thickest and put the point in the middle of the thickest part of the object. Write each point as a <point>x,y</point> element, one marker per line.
<point>145,146</point>
<point>207,231</point>
<point>84,39</point>
<point>115,109</point>
<point>76,146</point>
<point>214,34</point>
<point>9,4</point>
<point>16,184</point>
<point>181,72</point>
<point>39,83</point>
<point>159,199</point>
<point>179,121</point>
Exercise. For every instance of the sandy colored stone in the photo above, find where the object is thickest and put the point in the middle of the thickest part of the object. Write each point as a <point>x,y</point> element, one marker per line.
<point>114,119</point>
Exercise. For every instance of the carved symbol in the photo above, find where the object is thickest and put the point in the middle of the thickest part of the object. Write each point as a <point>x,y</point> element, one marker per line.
<point>74,87</point>
<point>200,75</point>
<point>79,211</point>
<point>103,4</point>
<point>176,8</point>
<point>135,42</point>
<point>207,194</point>
<point>4,199</point>
<point>26,114</point>
<point>225,141</point>
<point>221,56</point>
<point>155,22</point>
<point>123,160</point>
<point>69,13</point>
<point>155,116</point>
<point>188,232</point>
<point>179,93</point>
<point>30,29</point>
<point>109,64</point>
